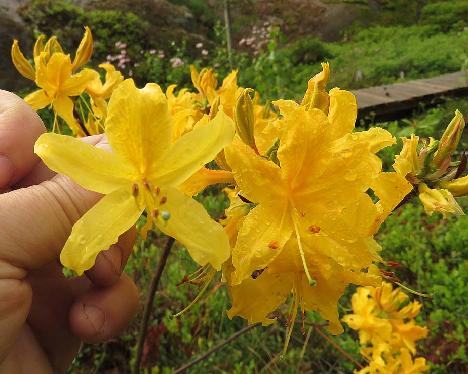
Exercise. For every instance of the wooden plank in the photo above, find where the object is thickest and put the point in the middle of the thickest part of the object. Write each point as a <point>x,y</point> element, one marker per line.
<point>395,100</point>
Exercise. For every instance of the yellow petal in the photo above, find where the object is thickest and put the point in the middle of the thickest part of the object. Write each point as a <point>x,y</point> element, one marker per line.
<point>99,228</point>
<point>112,80</point>
<point>191,225</point>
<point>204,178</point>
<point>85,49</point>
<point>52,73</point>
<point>92,168</point>
<point>38,99</point>
<point>38,46</point>
<point>302,144</point>
<point>138,124</point>
<point>261,238</point>
<point>258,179</point>
<point>343,112</point>
<point>316,95</point>
<point>255,299</point>
<point>194,149</point>
<point>390,188</point>
<point>63,106</point>
<point>76,84</point>
<point>21,63</point>
<point>407,161</point>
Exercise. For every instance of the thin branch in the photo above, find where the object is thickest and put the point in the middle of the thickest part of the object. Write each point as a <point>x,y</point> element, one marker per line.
<point>227,21</point>
<point>337,347</point>
<point>218,346</point>
<point>149,304</point>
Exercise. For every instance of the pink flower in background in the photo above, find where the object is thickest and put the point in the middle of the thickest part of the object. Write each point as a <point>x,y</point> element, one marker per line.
<point>204,52</point>
<point>199,45</point>
<point>176,62</point>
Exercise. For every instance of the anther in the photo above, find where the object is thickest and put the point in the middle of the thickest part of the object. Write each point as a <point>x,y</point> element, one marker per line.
<point>163,200</point>
<point>135,189</point>
<point>158,190</point>
<point>273,245</point>
<point>146,184</point>
<point>155,213</point>
<point>314,229</point>
<point>165,215</point>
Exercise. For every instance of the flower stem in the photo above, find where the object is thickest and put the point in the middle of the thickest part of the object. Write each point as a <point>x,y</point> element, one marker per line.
<point>149,304</point>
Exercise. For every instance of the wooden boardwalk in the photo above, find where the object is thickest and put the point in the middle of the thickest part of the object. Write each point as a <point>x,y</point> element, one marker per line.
<point>389,102</point>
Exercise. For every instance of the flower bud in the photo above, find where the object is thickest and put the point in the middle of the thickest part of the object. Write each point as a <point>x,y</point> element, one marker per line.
<point>449,141</point>
<point>244,116</point>
<point>316,95</point>
<point>438,200</point>
<point>52,46</point>
<point>21,63</point>
<point>457,187</point>
<point>85,49</point>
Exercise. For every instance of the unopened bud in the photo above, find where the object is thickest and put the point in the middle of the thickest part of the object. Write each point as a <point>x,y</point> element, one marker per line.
<point>316,95</point>
<point>457,187</point>
<point>449,141</point>
<point>245,120</point>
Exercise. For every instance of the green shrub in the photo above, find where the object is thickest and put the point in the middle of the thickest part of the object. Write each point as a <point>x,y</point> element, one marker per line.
<point>450,15</point>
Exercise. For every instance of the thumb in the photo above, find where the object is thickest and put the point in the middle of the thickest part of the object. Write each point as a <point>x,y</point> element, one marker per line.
<point>36,221</point>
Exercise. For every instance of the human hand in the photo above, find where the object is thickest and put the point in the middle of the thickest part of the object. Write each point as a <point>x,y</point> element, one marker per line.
<point>44,316</point>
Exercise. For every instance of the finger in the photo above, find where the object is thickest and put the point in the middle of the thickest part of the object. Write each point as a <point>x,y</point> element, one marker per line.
<point>104,312</point>
<point>20,126</point>
<point>110,263</point>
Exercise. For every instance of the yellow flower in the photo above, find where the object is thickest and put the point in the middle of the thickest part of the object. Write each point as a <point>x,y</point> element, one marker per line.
<point>143,172</point>
<point>438,200</point>
<point>57,84</point>
<point>310,229</point>
<point>387,331</point>
<point>206,84</point>
<point>320,186</point>
<point>99,92</point>
<point>82,55</point>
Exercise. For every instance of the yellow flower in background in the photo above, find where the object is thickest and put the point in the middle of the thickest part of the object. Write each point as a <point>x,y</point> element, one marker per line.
<point>388,333</point>
<point>57,84</point>
<point>99,92</point>
<point>82,54</point>
<point>143,172</point>
<point>53,73</point>
<point>208,92</point>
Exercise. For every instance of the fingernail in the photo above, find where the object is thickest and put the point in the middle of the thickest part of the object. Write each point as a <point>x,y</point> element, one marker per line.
<point>95,317</point>
<point>6,171</point>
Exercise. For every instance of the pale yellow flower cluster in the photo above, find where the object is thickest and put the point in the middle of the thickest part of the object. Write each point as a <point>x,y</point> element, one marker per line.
<point>388,333</point>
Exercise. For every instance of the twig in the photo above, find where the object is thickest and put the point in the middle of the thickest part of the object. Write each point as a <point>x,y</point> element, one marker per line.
<point>337,347</point>
<point>149,304</point>
<point>227,21</point>
<point>215,348</point>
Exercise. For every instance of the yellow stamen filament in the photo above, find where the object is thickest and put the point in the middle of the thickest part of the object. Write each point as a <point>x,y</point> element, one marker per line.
<point>301,250</point>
